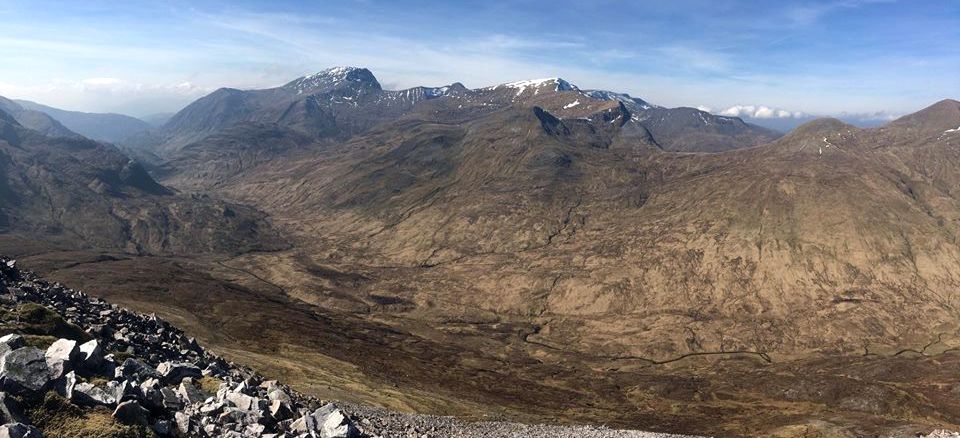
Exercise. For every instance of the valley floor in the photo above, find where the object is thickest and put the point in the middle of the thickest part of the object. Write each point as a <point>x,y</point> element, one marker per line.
<point>491,376</point>
<point>388,424</point>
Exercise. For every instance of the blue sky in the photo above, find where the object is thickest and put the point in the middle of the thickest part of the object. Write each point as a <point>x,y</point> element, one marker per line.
<point>822,57</point>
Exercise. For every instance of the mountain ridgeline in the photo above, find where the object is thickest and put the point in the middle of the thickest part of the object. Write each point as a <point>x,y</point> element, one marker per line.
<point>558,253</point>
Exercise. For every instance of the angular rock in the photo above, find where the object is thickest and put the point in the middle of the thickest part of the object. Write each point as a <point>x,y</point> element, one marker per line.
<point>91,356</point>
<point>64,385</point>
<point>190,393</point>
<point>278,394</point>
<point>280,410</point>
<point>254,430</point>
<point>241,401</point>
<point>19,430</point>
<point>183,423</point>
<point>61,357</point>
<point>236,416</point>
<point>64,349</point>
<point>170,399</point>
<point>11,342</point>
<point>135,368</point>
<point>24,371</point>
<point>87,394</point>
<point>212,409</point>
<point>10,410</point>
<point>333,423</point>
<point>172,373</point>
<point>163,427</point>
<point>130,412</point>
<point>121,391</point>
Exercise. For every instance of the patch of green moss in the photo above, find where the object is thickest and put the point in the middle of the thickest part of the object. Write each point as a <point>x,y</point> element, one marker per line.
<point>39,325</point>
<point>39,341</point>
<point>35,319</point>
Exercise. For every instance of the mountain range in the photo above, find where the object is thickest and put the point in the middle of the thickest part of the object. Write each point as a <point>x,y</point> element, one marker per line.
<point>543,251</point>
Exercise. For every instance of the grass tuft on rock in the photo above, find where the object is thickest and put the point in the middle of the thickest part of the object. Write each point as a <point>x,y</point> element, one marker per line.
<point>209,385</point>
<point>39,321</point>
<point>58,418</point>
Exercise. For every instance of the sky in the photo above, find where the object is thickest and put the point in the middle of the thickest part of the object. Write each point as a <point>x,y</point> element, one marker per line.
<point>762,59</point>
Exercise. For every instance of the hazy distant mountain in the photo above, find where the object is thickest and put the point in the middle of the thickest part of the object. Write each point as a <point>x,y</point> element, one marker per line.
<point>35,120</point>
<point>80,193</point>
<point>157,120</point>
<point>786,124</point>
<point>98,126</point>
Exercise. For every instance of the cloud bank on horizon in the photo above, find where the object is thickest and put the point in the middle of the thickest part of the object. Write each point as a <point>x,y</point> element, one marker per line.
<point>786,59</point>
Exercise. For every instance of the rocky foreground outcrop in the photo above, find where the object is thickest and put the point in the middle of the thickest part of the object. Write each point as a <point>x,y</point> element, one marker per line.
<point>153,378</point>
<point>73,365</point>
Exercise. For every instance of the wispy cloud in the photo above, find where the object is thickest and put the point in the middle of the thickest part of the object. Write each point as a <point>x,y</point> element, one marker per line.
<point>685,52</point>
<point>809,13</point>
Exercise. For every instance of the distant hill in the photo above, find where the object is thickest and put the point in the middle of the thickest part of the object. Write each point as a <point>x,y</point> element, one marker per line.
<point>157,120</point>
<point>80,193</point>
<point>35,120</point>
<point>107,127</point>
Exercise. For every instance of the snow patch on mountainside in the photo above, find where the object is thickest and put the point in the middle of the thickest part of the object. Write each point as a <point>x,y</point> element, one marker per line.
<point>631,102</point>
<point>537,85</point>
<point>332,78</point>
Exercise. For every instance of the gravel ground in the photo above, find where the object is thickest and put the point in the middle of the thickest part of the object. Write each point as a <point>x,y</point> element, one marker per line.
<point>377,422</point>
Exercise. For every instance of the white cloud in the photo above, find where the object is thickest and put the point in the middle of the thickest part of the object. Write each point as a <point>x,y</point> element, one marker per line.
<point>760,112</point>
<point>705,108</point>
<point>109,94</point>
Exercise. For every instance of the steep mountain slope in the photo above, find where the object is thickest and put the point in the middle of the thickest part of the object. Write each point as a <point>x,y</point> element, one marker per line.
<point>35,120</point>
<point>693,130</point>
<point>104,127</point>
<point>157,120</point>
<point>80,193</point>
<point>335,103</point>
<point>739,244</point>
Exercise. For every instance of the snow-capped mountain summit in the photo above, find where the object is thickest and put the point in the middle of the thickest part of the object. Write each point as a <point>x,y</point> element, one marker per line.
<point>334,78</point>
<point>537,86</point>
<point>341,102</point>
<point>632,103</point>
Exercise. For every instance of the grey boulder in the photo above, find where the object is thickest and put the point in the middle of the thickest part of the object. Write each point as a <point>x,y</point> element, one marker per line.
<point>91,355</point>
<point>10,410</point>
<point>172,373</point>
<point>333,423</point>
<point>24,371</point>
<point>190,393</point>
<point>11,342</point>
<point>135,368</point>
<point>61,356</point>
<point>19,430</point>
<point>327,422</point>
<point>91,395</point>
<point>130,412</point>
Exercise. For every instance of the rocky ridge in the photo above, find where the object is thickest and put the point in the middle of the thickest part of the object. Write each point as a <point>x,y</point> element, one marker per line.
<point>157,381</point>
